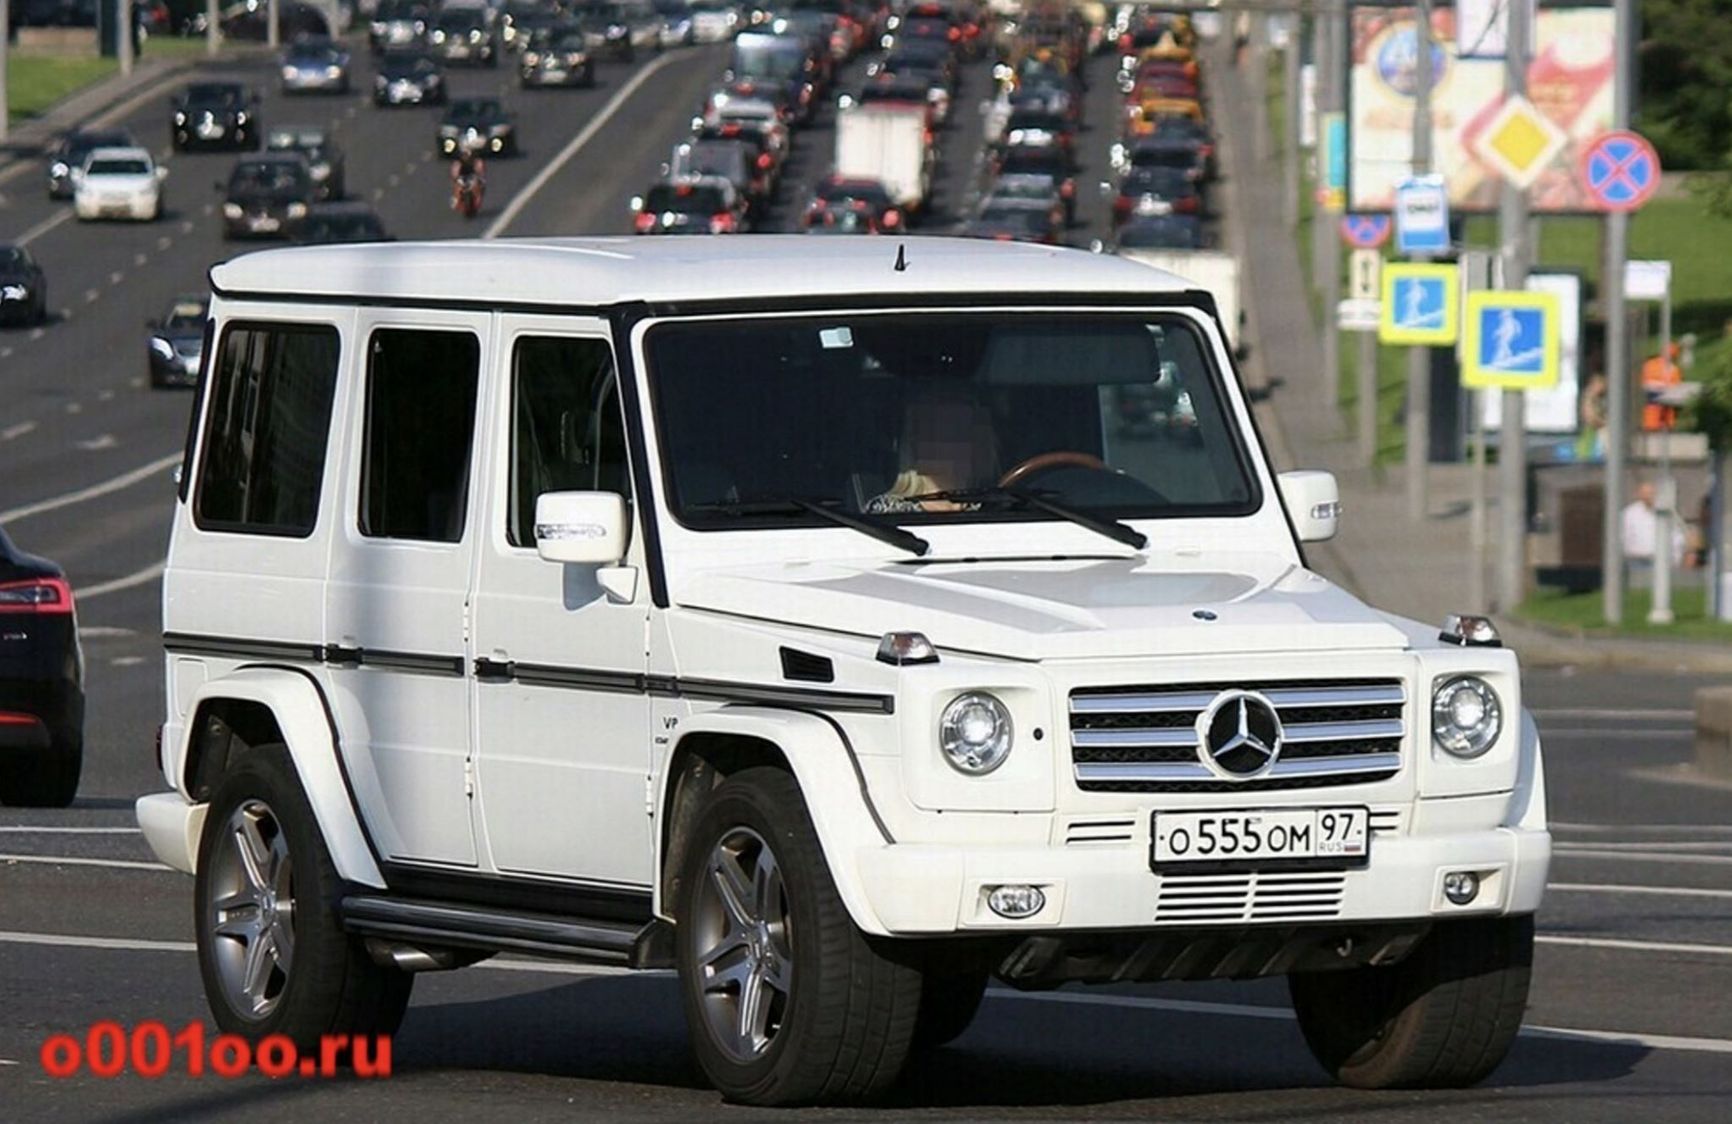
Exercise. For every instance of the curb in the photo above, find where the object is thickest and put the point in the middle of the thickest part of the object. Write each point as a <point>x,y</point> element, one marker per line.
<point>1541,645</point>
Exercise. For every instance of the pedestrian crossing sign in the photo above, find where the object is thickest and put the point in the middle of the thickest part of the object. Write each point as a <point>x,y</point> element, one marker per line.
<point>1421,304</point>
<point>1512,340</point>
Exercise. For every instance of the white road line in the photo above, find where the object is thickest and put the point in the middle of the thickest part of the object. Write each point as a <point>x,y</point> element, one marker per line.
<point>90,295</point>
<point>75,407</point>
<point>1565,852</point>
<point>68,860</point>
<point>1615,888</point>
<point>1636,946</point>
<point>104,632</point>
<point>114,484</point>
<point>121,944</point>
<point>116,277</point>
<point>37,333</point>
<point>1641,827</point>
<point>95,444</point>
<point>1654,715</point>
<point>36,829</point>
<point>126,661</point>
<point>574,146</point>
<point>12,432</point>
<point>1651,845</point>
<point>44,227</point>
<point>142,577</point>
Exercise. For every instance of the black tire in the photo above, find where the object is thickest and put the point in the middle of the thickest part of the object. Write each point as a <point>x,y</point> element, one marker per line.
<point>332,985</point>
<point>948,1003</point>
<point>1442,1018</point>
<point>844,1030</point>
<point>45,778</point>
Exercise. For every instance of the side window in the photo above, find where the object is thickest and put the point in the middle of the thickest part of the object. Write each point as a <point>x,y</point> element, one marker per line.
<point>567,432</point>
<point>266,430</point>
<point>420,426</point>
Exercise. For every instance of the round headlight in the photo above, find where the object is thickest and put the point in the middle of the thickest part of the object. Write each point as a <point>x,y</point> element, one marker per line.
<point>975,733</point>
<point>1466,716</point>
<point>163,348</point>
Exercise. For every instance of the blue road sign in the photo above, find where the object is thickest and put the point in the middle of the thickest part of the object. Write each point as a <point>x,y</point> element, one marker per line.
<point>1512,340</point>
<point>1620,171</point>
<point>1421,216</point>
<point>1365,232</point>
<point>1419,304</point>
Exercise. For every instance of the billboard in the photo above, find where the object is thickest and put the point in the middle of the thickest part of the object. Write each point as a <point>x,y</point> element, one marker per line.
<point>1569,82</point>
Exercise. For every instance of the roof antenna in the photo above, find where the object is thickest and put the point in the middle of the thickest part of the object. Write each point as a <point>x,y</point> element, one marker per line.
<point>901,265</point>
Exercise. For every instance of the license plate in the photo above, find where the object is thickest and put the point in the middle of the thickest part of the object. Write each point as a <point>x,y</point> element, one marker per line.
<point>266,223</point>
<point>210,132</point>
<point>1261,836</point>
<point>555,73</point>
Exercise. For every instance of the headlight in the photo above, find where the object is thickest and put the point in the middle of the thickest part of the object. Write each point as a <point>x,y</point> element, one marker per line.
<point>59,168</point>
<point>320,171</point>
<point>241,118</point>
<point>333,72</point>
<point>381,81</point>
<point>975,733</point>
<point>1466,716</point>
<point>297,210</point>
<point>289,73</point>
<point>179,117</point>
<point>162,348</point>
<point>231,210</point>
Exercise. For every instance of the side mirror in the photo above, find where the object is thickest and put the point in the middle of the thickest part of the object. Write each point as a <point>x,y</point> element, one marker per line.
<point>584,528</point>
<point>1313,503</point>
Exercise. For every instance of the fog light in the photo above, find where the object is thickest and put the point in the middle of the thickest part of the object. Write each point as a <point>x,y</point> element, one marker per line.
<point>1461,886</point>
<point>1016,902</point>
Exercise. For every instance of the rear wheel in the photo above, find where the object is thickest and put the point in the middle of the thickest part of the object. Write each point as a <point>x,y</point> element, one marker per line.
<point>1442,1018</point>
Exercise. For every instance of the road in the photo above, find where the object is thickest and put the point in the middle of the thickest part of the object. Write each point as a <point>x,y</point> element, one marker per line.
<point>1628,1011</point>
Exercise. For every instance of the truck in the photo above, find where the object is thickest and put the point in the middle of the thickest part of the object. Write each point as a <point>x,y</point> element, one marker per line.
<point>891,143</point>
<point>1216,271</point>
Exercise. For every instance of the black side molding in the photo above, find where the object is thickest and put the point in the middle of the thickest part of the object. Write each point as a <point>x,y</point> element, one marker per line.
<point>442,924</point>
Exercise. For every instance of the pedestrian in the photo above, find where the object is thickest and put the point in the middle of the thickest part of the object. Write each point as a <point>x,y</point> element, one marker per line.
<point>1639,526</point>
<point>1659,373</point>
<point>1591,445</point>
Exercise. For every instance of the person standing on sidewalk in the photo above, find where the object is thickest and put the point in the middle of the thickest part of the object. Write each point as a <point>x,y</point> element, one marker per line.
<point>1640,530</point>
<point>1659,373</point>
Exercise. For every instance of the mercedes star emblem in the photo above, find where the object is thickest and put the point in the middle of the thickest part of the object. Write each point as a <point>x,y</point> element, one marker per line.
<point>1240,734</point>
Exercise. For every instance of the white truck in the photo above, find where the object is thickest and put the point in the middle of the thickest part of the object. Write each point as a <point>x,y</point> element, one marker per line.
<point>1215,271</point>
<point>888,142</point>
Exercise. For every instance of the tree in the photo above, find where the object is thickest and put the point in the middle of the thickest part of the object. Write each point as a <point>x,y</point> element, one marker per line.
<point>1684,103</point>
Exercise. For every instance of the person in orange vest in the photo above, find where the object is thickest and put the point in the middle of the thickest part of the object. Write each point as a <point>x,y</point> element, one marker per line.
<point>1658,373</point>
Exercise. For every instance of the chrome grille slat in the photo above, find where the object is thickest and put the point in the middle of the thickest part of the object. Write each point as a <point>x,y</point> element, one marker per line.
<point>1124,772</point>
<point>1251,896</point>
<point>1181,698</point>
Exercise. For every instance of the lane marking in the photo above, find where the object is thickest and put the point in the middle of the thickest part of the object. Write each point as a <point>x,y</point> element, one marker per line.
<point>105,631</point>
<point>68,860</point>
<point>37,333</point>
<point>142,577</point>
<point>115,277</point>
<point>96,444</point>
<point>90,295</point>
<point>1653,715</point>
<point>1616,888</point>
<point>573,147</point>
<point>113,484</point>
<point>13,432</point>
<point>1636,946</point>
<point>1606,827</point>
<point>1652,845</point>
<point>1567,852</point>
<point>36,829</point>
<point>120,944</point>
<point>75,407</point>
<point>126,661</point>
<point>43,227</point>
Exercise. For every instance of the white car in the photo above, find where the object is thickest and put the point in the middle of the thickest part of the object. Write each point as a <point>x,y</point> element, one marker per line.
<point>809,624</point>
<point>714,21</point>
<point>119,183</point>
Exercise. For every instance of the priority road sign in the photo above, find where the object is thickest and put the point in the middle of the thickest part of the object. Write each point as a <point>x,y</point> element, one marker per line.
<point>1365,232</point>
<point>1520,142</point>
<point>1513,340</point>
<point>1421,304</point>
<point>1620,171</point>
<point>1421,216</point>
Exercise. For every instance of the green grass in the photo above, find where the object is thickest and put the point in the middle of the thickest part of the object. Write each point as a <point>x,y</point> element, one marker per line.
<point>1582,613</point>
<point>35,82</point>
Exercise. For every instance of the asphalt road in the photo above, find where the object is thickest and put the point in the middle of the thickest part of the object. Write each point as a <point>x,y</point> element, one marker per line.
<point>1629,1015</point>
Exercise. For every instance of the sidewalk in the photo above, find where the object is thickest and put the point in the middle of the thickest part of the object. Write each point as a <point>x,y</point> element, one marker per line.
<point>1419,569</point>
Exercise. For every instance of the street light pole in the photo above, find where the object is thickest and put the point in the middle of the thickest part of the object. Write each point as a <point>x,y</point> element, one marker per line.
<point>1513,234</point>
<point>1290,124</point>
<point>5,42</point>
<point>274,36</point>
<point>123,36</point>
<point>1419,358</point>
<point>1617,339</point>
<point>211,34</point>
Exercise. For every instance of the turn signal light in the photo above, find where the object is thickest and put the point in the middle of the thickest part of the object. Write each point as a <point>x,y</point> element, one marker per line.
<point>39,595</point>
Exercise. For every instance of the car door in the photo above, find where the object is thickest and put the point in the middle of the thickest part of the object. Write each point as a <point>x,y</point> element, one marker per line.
<point>397,656</point>
<point>562,758</point>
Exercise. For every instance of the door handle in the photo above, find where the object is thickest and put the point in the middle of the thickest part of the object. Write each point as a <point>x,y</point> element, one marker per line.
<point>493,671</point>
<point>347,657</point>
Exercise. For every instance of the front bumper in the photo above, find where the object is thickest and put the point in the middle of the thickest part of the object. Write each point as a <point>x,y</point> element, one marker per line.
<point>917,889</point>
<point>172,827</point>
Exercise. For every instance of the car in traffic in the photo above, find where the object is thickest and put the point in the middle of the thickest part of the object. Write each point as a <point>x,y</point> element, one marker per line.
<point>23,287</point>
<point>839,218</point>
<point>1014,220</point>
<point>221,115</point>
<point>68,153</point>
<point>1153,190</point>
<point>1051,162</point>
<point>409,77</point>
<point>266,195</point>
<point>607,27</point>
<point>1168,148</point>
<point>731,159</point>
<point>315,65</point>
<point>480,123</point>
<point>674,24</point>
<point>855,192</point>
<point>325,160</point>
<point>1025,188</point>
<point>351,221</point>
<point>556,56</point>
<point>176,343</point>
<point>699,205</point>
<point>519,20</point>
<point>41,682</point>
<point>119,183</point>
<point>1159,232</point>
<point>464,35</point>
<point>398,24</point>
<point>714,21</point>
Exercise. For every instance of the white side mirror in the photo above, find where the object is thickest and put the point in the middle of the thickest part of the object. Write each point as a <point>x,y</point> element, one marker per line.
<point>585,528</point>
<point>1313,503</point>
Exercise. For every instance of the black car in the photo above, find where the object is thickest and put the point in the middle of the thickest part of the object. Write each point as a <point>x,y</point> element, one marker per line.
<point>409,78</point>
<point>1014,221</point>
<point>177,342</point>
<point>41,682</point>
<point>325,161</point>
<point>69,151</point>
<point>315,65</point>
<point>23,288</point>
<point>340,222</point>
<point>1161,232</point>
<point>607,30</point>
<point>480,123</point>
<point>1042,160</point>
<point>464,35</point>
<point>1151,191</point>
<point>1169,150</point>
<point>215,115</point>
<point>397,23</point>
<point>267,195</point>
<point>556,56</point>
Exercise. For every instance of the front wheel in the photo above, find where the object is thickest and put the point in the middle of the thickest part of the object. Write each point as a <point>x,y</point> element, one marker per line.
<point>786,1001</point>
<point>1442,1018</point>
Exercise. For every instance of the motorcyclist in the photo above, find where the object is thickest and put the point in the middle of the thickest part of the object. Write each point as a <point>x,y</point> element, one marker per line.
<point>468,173</point>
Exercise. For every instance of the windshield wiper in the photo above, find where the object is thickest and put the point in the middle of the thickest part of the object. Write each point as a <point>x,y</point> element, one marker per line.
<point>774,505</point>
<point>1111,528</point>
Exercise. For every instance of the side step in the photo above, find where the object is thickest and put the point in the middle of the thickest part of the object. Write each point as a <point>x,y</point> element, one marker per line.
<point>443,925</point>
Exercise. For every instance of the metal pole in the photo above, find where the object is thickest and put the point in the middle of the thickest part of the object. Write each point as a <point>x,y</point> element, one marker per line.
<point>1324,220</point>
<point>1617,339</point>
<point>1368,399</point>
<point>212,35</point>
<point>1322,238</point>
<point>1290,126</point>
<point>1476,595</point>
<point>1258,52</point>
<point>1419,358</point>
<point>1666,495</point>
<point>1513,232</point>
<point>274,37</point>
<point>123,37</point>
<point>5,45</point>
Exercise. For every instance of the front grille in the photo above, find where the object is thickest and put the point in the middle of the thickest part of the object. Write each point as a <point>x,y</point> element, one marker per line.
<point>1144,739</point>
<point>1265,896</point>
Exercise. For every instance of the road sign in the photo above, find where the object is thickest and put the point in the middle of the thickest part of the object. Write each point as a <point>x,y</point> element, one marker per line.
<point>1512,340</point>
<point>1421,216</point>
<point>1620,171</point>
<point>1647,280</point>
<point>1358,315</point>
<point>1421,304</point>
<point>1519,142</point>
<point>1332,161</point>
<point>1364,275</point>
<point>1365,232</point>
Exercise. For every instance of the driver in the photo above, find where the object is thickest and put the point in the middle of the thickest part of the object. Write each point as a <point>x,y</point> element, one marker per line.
<point>948,444</point>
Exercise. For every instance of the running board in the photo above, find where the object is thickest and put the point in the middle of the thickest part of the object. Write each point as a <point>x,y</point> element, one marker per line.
<point>442,925</point>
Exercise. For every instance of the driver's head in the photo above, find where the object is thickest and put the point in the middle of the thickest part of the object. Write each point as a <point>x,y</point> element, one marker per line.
<point>947,434</point>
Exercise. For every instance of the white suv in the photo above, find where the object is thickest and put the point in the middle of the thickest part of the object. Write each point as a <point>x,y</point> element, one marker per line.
<point>844,630</point>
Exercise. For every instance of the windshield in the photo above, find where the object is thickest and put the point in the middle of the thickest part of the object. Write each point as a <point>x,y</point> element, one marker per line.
<point>225,96</point>
<point>685,198</point>
<point>118,168</point>
<point>1120,415</point>
<point>272,178</point>
<point>11,257</point>
<point>185,314</point>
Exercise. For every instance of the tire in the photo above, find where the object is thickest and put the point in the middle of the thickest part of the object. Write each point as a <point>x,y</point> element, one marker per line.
<point>948,1003</point>
<point>46,778</point>
<point>839,1025</point>
<point>331,985</point>
<point>1442,1018</point>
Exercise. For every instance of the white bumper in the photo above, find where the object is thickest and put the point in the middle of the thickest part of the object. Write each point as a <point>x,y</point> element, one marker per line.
<point>916,888</point>
<point>172,826</point>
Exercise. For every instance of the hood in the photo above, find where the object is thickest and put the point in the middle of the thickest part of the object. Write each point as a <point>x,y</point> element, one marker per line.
<point>1083,608</point>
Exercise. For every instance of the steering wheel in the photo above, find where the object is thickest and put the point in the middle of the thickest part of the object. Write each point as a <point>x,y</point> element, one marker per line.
<point>1044,461</point>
